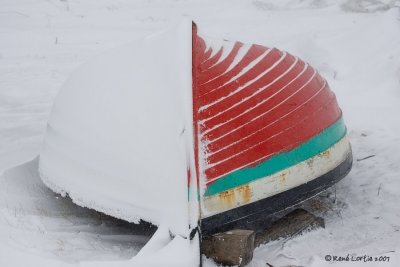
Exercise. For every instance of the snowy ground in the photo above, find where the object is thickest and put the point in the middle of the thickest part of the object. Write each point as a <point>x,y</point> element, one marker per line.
<point>354,44</point>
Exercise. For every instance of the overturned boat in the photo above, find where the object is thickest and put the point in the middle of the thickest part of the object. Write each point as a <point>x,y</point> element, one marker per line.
<point>193,132</point>
<point>269,132</point>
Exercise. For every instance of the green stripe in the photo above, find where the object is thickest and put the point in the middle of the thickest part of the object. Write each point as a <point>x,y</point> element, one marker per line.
<point>314,146</point>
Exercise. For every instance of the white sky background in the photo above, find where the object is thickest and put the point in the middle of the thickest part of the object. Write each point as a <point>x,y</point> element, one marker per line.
<point>354,44</point>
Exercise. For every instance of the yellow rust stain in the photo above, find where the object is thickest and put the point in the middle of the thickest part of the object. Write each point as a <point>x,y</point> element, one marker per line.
<point>239,195</point>
<point>244,193</point>
<point>227,198</point>
<point>326,154</point>
<point>282,179</point>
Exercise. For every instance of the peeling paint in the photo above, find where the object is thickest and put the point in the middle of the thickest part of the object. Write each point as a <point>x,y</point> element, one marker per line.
<point>227,198</point>
<point>282,179</point>
<point>244,193</point>
<point>278,182</point>
<point>237,196</point>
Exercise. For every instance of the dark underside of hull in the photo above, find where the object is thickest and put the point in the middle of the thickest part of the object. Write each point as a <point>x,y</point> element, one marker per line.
<point>244,217</point>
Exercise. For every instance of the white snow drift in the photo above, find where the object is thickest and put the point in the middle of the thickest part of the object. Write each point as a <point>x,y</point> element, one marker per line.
<point>355,44</point>
<point>119,138</point>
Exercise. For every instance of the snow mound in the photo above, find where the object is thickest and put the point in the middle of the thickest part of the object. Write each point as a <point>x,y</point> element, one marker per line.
<point>119,136</point>
<point>40,228</point>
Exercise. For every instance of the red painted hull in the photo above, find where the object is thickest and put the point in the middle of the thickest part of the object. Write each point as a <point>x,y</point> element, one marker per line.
<point>251,103</point>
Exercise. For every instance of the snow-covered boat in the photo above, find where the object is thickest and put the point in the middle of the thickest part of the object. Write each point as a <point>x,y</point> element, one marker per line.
<point>269,132</point>
<point>184,130</point>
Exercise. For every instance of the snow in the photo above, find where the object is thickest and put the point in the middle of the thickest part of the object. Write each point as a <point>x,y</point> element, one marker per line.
<point>116,140</point>
<point>354,44</point>
<point>40,226</point>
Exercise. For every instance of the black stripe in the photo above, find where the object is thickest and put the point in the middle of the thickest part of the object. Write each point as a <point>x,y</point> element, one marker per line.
<point>239,218</point>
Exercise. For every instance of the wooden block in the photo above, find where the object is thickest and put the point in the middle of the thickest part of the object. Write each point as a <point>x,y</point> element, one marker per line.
<point>236,247</point>
<point>290,225</point>
<point>230,248</point>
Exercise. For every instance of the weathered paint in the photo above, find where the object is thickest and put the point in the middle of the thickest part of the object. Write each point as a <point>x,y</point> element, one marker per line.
<point>240,195</point>
<point>278,182</point>
<point>242,216</point>
<point>251,103</point>
<point>309,149</point>
<point>265,122</point>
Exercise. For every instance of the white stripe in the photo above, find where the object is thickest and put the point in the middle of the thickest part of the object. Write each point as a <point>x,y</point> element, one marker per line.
<point>284,180</point>
<point>240,126</point>
<point>245,69</point>
<point>227,48</point>
<point>214,164</point>
<point>214,51</point>
<point>248,67</point>
<point>239,56</point>
<point>287,114</point>
<point>284,54</point>
<point>214,44</point>
<point>256,93</point>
